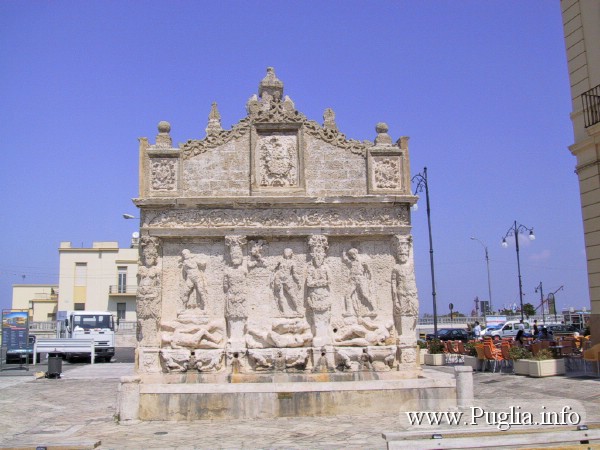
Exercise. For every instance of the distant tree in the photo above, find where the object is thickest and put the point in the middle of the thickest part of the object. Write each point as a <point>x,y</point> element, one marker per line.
<point>505,312</point>
<point>528,309</point>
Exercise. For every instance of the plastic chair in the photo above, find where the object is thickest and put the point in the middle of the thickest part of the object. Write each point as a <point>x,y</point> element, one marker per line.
<point>535,348</point>
<point>592,355</point>
<point>505,349</point>
<point>492,354</point>
<point>481,355</point>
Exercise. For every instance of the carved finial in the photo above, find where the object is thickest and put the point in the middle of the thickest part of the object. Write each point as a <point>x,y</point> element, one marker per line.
<point>288,104</point>
<point>252,105</point>
<point>383,138</point>
<point>270,86</point>
<point>163,138</point>
<point>329,120</point>
<point>214,120</point>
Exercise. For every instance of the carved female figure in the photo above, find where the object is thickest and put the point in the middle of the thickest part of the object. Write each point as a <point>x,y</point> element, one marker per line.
<point>148,292</point>
<point>318,278</point>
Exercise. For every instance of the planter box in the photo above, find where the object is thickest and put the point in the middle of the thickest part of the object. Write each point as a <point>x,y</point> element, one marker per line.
<point>434,360</point>
<point>546,367</point>
<point>474,362</point>
<point>521,366</point>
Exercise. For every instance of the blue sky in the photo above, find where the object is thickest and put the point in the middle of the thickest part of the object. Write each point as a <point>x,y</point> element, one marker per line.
<point>481,88</point>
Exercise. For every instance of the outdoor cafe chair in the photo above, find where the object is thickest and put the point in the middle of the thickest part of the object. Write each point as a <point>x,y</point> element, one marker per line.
<point>492,354</point>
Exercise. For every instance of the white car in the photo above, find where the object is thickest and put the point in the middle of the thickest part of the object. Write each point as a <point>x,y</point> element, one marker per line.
<point>510,329</point>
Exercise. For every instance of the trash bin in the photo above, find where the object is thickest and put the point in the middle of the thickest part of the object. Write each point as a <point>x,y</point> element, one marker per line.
<point>54,367</point>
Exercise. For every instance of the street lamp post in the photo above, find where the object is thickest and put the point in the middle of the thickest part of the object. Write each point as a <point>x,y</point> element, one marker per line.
<point>514,230</point>
<point>487,261</point>
<point>421,179</point>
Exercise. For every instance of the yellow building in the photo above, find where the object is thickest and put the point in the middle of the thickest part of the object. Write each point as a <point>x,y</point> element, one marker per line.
<point>101,278</point>
<point>40,299</point>
<point>581,25</point>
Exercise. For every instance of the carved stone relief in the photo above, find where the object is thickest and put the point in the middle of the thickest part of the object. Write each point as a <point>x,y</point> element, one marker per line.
<point>361,332</point>
<point>279,360</point>
<point>286,283</point>
<point>359,299</point>
<point>282,333</point>
<point>278,158</point>
<point>148,292</point>
<point>193,331</point>
<point>386,172</point>
<point>164,174</point>
<point>193,290</point>
<point>404,287</point>
<point>318,278</point>
<point>296,217</point>
<point>235,288</point>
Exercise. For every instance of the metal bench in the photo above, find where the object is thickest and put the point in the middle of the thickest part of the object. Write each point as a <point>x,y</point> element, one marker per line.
<point>64,346</point>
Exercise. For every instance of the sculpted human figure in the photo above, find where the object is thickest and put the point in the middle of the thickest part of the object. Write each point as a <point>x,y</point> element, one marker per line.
<point>193,335</point>
<point>359,299</point>
<point>192,270</point>
<point>284,333</point>
<point>318,279</point>
<point>235,287</point>
<point>148,292</point>
<point>404,287</point>
<point>361,332</point>
<point>286,285</point>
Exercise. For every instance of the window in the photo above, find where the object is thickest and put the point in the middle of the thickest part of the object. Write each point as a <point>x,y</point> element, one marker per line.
<point>122,280</point>
<point>79,306</point>
<point>80,274</point>
<point>121,309</point>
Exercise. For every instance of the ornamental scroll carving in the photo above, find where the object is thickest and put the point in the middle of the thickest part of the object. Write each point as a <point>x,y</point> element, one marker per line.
<point>277,112</point>
<point>297,217</point>
<point>386,172</point>
<point>164,174</point>
<point>278,161</point>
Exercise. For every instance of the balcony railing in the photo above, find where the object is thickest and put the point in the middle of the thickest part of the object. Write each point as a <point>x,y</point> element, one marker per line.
<point>591,106</point>
<point>122,290</point>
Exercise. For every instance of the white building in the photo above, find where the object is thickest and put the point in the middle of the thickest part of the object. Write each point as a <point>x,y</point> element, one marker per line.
<point>101,278</point>
<point>40,299</point>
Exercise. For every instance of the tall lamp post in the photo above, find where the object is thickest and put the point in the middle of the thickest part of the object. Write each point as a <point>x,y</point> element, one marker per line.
<point>421,180</point>
<point>487,261</point>
<point>514,230</point>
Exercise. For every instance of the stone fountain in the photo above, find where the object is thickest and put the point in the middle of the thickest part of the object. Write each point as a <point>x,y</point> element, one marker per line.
<point>276,272</point>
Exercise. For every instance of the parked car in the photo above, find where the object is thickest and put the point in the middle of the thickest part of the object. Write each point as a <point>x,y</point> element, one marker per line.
<point>21,355</point>
<point>450,334</point>
<point>488,330</point>
<point>510,329</point>
<point>561,329</point>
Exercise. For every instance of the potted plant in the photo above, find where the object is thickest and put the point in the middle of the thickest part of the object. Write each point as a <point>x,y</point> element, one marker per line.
<point>520,357</point>
<point>422,346</point>
<point>471,357</point>
<point>545,365</point>
<point>435,355</point>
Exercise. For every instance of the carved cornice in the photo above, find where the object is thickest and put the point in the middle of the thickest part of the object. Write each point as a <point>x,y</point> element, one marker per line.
<point>278,218</point>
